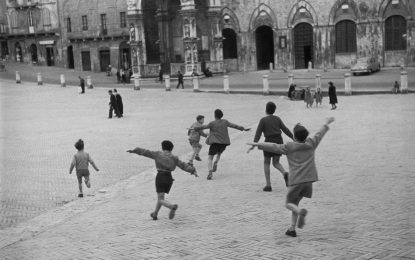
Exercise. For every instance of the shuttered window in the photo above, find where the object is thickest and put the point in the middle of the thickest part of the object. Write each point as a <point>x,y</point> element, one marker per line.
<point>346,37</point>
<point>395,33</point>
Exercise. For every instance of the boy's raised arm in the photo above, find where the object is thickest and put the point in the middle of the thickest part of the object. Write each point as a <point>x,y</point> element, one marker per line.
<point>270,147</point>
<point>316,139</point>
<point>143,152</point>
<point>241,128</point>
<point>186,167</point>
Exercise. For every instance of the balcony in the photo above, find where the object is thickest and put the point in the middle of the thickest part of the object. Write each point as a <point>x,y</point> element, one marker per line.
<point>22,4</point>
<point>98,35</point>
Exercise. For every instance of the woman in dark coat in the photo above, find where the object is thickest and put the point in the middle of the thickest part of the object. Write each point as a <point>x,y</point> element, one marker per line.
<point>290,91</point>
<point>332,95</point>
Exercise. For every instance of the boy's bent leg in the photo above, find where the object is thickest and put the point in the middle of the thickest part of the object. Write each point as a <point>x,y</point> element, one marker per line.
<point>164,202</point>
<point>87,182</point>
<point>267,172</point>
<point>215,163</point>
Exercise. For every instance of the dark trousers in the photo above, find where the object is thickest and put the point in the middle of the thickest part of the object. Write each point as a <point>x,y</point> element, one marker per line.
<point>180,83</point>
<point>115,109</point>
<point>83,88</point>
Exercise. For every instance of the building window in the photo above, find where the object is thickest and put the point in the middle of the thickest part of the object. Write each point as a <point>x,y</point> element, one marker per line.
<point>68,25</point>
<point>104,24</point>
<point>346,37</point>
<point>2,28</point>
<point>13,20</point>
<point>46,18</point>
<point>30,18</point>
<point>395,33</point>
<point>84,23</point>
<point>123,21</point>
<point>230,47</point>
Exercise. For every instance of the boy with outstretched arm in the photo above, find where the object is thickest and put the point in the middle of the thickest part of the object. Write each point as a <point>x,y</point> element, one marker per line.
<point>194,138</point>
<point>303,171</point>
<point>166,162</point>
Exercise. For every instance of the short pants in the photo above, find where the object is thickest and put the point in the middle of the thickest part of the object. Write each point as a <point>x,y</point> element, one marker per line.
<point>276,139</point>
<point>195,144</point>
<point>82,173</point>
<point>216,148</point>
<point>164,181</point>
<point>297,192</point>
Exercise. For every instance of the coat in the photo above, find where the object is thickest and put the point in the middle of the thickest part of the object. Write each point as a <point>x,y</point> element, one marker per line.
<point>332,94</point>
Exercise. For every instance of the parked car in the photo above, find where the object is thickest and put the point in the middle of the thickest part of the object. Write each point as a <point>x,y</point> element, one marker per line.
<point>366,65</point>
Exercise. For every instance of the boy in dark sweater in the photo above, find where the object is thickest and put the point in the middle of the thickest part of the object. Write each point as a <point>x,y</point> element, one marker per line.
<point>271,126</point>
<point>166,162</point>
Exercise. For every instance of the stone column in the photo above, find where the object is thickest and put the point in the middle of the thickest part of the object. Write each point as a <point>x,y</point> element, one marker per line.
<point>216,40</point>
<point>137,40</point>
<point>347,84</point>
<point>163,20</point>
<point>190,39</point>
<point>404,82</point>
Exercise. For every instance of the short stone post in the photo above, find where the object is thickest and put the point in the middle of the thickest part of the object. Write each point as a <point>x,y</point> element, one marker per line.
<point>89,82</point>
<point>39,79</point>
<point>226,84</point>
<point>404,82</point>
<point>318,81</point>
<point>271,67</point>
<point>167,82</point>
<point>195,83</point>
<point>290,79</point>
<point>265,84</point>
<point>63,83</point>
<point>18,77</point>
<point>244,67</point>
<point>310,65</point>
<point>137,82</point>
<point>347,84</point>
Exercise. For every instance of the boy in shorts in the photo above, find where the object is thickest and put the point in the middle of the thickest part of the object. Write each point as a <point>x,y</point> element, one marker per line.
<point>194,138</point>
<point>303,171</point>
<point>271,126</point>
<point>81,162</point>
<point>166,162</point>
<point>218,139</point>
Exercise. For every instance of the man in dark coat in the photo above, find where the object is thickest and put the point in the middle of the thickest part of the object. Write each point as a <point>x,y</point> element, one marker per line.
<point>82,84</point>
<point>332,95</point>
<point>180,78</point>
<point>120,105</point>
<point>113,105</point>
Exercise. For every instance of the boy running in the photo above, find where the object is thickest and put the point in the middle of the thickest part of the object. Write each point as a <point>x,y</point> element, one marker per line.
<point>303,171</point>
<point>218,139</point>
<point>166,162</point>
<point>81,162</point>
<point>194,138</point>
<point>271,126</point>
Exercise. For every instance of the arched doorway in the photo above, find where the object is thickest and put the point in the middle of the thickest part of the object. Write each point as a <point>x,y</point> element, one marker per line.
<point>151,31</point>
<point>33,53</point>
<point>264,47</point>
<point>18,52</point>
<point>71,63</point>
<point>230,48</point>
<point>105,59</point>
<point>303,45</point>
<point>125,56</point>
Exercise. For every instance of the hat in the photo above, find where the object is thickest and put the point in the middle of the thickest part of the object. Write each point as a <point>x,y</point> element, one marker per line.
<point>300,132</point>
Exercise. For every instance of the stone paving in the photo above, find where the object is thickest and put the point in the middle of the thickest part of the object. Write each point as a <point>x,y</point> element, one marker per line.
<point>362,207</point>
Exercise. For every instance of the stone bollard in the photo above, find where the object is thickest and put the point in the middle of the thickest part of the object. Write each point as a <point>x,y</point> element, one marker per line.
<point>290,79</point>
<point>271,67</point>
<point>89,82</point>
<point>310,65</point>
<point>347,84</point>
<point>265,85</point>
<point>226,84</point>
<point>195,83</point>
<point>404,82</point>
<point>18,77</point>
<point>244,67</point>
<point>137,82</point>
<point>318,81</point>
<point>167,82</point>
<point>63,83</point>
<point>39,79</point>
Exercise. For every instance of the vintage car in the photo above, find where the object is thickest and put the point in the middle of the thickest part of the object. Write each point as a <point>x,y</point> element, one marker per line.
<point>365,65</point>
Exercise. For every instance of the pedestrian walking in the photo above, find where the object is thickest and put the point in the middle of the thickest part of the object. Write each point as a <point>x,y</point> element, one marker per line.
<point>308,98</point>
<point>332,95</point>
<point>218,139</point>
<point>303,171</point>
<point>396,87</point>
<point>165,162</point>
<point>194,138</point>
<point>80,162</point>
<point>272,127</point>
<point>161,76</point>
<point>180,79</point>
<point>318,96</point>
<point>118,76</point>
<point>82,84</point>
<point>113,105</point>
<point>123,76</point>
<point>120,105</point>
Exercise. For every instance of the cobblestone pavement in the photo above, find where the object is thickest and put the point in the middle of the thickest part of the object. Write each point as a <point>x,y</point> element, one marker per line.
<point>362,207</point>
<point>380,81</point>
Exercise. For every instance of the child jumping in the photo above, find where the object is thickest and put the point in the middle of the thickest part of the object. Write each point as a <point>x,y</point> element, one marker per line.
<point>194,138</point>
<point>303,171</point>
<point>271,126</point>
<point>166,162</point>
<point>218,139</point>
<point>81,162</point>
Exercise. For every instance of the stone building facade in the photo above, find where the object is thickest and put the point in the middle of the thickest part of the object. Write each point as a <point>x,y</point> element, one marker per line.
<point>33,32</point>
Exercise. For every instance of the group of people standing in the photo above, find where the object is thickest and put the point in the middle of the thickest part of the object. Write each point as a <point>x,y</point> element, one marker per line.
<point>309,96</point>
<point>115,104</point>
<point>123,75</point>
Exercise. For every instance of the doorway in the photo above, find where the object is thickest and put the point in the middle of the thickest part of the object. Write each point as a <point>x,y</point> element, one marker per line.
<point>50,57</point>
<point>264,47</point>
<point>104,59</point>
<point>125,56</point>
<point>86,61</point>
<point>303,45</point>
<point>71,62</point>
<point>18,52</point>
<point>33,53</point>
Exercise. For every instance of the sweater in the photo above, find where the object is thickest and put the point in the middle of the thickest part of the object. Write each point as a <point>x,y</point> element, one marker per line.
<point>219,131</point>
<point>194,135</point>
<point>271,125</point>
